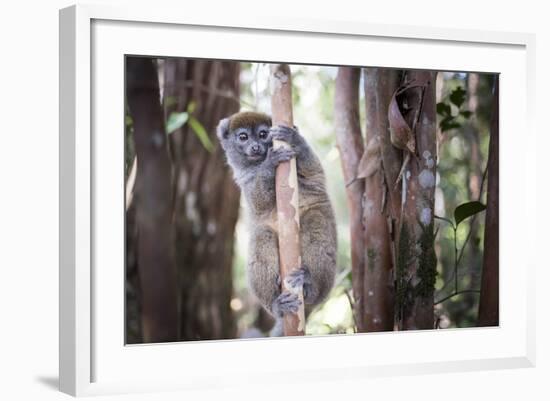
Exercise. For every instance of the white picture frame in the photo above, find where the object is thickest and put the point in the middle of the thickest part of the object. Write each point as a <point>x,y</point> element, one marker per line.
<point>93,357</point>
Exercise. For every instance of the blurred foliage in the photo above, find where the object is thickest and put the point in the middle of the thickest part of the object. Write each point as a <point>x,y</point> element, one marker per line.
<point>454,171</point>
<point>201,133</point>
<point>176,120</point>
<point>452,112</point>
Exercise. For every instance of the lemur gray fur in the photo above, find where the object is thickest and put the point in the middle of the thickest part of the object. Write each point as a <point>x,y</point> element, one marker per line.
<point>247,139</point>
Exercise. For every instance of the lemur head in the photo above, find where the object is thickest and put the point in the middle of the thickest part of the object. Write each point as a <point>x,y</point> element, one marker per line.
<point>245,138</point>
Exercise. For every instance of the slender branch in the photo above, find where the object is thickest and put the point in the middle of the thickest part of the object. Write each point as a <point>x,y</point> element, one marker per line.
<point>228,94</point>
<point>130,183</point>
<point>456,263</point>
<point>454,276</point>
<point>455,294</point>
<point>475,216</point>
<point>286,193</point>
<point>445,219</point>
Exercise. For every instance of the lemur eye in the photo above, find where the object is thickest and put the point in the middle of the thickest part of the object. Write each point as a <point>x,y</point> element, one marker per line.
<point>262,134</point>
<point>243,136</point>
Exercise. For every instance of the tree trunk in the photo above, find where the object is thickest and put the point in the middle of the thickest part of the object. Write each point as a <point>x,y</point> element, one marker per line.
<point>416,260</point>
<point>155,252</point>
<point>134,332</point>
<point>286,189</point>
<point>380,198</point>
<point>489,297</point>
<point>472,135</point>
<point>206,200</point>
<point>351,146</point>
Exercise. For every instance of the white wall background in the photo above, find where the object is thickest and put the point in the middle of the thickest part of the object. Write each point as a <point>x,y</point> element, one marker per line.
<point>29,200</point>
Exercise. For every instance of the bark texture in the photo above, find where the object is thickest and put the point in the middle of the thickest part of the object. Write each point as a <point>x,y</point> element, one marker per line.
<point>379,199</point>
<point>489,297</point>
<point>416,259</point>
<point>412,132</point>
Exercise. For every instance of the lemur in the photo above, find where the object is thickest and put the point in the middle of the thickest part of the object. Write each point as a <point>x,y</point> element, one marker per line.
<point>247,139</point>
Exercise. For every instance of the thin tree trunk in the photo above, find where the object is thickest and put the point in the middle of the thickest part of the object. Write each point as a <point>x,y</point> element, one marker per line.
<point>379,199</point>
<point>475,179</point>
<point>416,260</point>
<point>351,147</point>
<point>392,160</point>
<point>489,297</point>
<point>472,133</point>
<point>206,199</point>
<point>155,253</point>
<point>286,188</point>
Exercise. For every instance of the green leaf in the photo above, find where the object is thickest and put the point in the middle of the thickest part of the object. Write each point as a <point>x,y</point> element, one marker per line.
<point>201,133</point>
<point>176,121</point>
<point>468,209</point>
<point>191,107</point>
<point>466,113</point>
<point>170,101</point>
<point>443,109</point>
<point>458,96</point>
<point>349,276</point>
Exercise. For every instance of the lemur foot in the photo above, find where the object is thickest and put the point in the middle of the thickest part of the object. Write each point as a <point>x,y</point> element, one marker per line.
<point>301,277</point>
<point>285,303</point>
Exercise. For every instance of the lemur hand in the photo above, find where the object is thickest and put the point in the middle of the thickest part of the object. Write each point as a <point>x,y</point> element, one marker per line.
<point>276,156</point>
<point>286,134</point>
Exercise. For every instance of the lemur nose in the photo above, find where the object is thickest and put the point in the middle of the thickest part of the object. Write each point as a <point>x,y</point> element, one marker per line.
<point>256,148</point>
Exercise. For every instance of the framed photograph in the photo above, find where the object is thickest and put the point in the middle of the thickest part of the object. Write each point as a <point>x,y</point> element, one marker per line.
<point>234,199</point>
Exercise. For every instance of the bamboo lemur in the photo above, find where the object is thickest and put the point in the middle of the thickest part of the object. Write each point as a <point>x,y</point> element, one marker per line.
<point>246,138</point>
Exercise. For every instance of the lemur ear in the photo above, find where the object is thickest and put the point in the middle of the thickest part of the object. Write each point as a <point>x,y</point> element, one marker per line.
<point>223,128</point>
